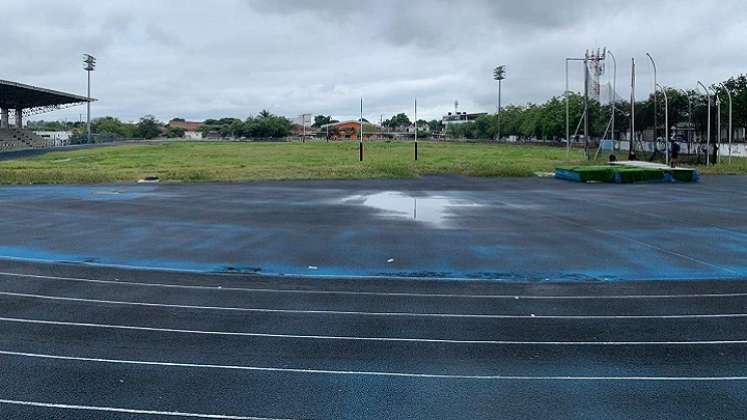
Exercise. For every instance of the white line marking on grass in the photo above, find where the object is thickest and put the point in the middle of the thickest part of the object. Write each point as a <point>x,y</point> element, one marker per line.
<point>386,294</point>
<point>129,410</point>
<point>362,313</point>
<point>373,373</point>
<point>353,338</point>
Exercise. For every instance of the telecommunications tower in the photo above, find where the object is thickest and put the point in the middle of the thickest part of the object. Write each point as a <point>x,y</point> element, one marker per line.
<point>595,62</point>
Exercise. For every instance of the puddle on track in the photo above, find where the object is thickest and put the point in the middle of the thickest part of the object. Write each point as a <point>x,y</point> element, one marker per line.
<point>436,210</point>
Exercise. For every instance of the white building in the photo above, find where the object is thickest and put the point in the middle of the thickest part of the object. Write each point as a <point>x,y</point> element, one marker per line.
<point>192,129</point>
<point>460,117</point>
<point>60,138</point>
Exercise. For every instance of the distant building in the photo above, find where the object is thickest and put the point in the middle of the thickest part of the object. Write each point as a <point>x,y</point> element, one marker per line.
<point>460,117</point>
<point>350,130</point>
<point>192,129</point>
<point>298,131</point>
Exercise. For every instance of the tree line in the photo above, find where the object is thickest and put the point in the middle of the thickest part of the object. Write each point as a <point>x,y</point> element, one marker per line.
<point>547,120</point>
<point>263,125</point>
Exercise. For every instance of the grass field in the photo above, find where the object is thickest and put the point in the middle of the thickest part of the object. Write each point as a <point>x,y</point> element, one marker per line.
<point>233,161</point>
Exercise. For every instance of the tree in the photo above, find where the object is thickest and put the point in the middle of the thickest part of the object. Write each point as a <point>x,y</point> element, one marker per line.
<point>321,120</point>
<point>267,125</point>
<point>175,132</point>
<point>148,127</point>
<point>435,126</point>
<point>112,126</point>
<point>398,121</point>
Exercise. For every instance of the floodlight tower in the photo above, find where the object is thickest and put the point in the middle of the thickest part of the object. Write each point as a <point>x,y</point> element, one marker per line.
<point>499,73</point>
<point>89,62</point>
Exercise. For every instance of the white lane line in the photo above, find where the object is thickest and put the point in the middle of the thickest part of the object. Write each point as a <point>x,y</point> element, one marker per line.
<point>129,410</point>
<point>362,313</point>
<point>372,373</point>
<point>353,338</point>
<point>386,294</point>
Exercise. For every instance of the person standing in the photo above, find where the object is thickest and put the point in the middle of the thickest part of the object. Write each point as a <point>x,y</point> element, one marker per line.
<point>675,154</point>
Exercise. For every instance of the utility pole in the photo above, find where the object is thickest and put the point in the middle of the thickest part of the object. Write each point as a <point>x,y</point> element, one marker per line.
<point>89,62</point>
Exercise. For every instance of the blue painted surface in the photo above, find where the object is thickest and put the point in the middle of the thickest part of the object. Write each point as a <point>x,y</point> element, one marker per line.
<point>538,230</point>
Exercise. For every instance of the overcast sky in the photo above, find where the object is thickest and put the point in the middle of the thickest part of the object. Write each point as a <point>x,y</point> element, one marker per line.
<point>203,59</point>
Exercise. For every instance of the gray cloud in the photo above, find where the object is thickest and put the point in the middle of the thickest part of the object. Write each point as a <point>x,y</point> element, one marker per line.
<point>236,57</point>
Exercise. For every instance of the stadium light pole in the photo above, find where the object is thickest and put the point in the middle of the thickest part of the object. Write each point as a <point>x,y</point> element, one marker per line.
<point>708,124</point>
<point>656,117</point>
<point>614,92</point>
<point>728,93</point>
<point>666,123</point>
<point>499,73</point>
<point>89,62</point>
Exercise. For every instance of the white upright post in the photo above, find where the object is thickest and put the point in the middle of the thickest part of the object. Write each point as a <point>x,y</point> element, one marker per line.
<point>631,151</point>
<point>614,92</point>
<point>567,116</point>
<point>360,140</point>
<point>416,128</point>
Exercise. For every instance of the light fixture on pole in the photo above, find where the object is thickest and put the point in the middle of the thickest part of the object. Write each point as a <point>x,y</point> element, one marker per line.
<point>708,124</point>
<point>728,93</point>
<point>499,73</point>
<point>89,65</point>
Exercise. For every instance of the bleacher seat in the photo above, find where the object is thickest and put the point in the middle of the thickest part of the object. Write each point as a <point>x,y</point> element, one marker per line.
<point>15,139</point>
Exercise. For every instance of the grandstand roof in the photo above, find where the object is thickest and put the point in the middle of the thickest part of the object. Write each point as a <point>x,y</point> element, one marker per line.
<point>35,99</point>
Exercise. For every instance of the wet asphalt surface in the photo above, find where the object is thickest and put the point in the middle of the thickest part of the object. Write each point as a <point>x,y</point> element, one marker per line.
<point>456,227</point>
<point>569,336</point>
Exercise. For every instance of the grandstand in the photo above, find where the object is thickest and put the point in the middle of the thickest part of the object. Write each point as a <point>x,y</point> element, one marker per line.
<point>20,100</point>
